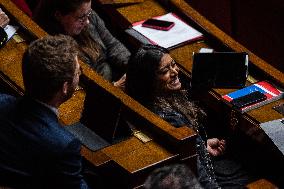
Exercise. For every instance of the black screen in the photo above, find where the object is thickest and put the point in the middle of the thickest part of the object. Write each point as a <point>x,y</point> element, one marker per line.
<point>221,70</point>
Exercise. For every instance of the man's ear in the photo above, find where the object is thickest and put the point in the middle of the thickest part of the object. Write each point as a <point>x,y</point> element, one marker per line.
<point>65,88</point>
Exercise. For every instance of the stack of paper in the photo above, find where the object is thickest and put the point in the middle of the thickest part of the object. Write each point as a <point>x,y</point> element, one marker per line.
<point>180,33</point>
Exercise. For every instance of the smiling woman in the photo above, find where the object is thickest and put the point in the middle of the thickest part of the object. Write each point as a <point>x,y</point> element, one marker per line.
<point>168,74</point>
<point>151,73</point>
<point>153,80</point>
<point>98,47</point>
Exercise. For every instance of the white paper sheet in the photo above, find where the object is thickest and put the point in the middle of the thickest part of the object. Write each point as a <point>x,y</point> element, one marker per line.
<point>181,32</point>
<point>10,30</point>
<point>275,130</point>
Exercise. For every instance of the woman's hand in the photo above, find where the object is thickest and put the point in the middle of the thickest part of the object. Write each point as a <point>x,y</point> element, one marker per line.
<point>216,147</point>
<point>4,20</point>
<point>121,82</point>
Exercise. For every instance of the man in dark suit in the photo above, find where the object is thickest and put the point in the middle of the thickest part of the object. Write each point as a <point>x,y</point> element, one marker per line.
<point>35,150</point>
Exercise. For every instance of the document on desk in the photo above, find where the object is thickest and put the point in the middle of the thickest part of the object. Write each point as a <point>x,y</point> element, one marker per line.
<point>275,130</point>
<point>180,33</point>
<point>10,30</point>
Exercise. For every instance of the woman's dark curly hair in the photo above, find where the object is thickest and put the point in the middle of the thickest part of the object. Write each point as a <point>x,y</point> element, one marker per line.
<point>141,73</point>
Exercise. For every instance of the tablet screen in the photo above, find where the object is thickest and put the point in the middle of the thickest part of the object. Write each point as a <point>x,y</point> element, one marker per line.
<point>219,70</point>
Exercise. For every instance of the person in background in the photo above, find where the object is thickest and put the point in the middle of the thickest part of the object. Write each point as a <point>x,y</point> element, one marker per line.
<point>98,47</point>
<point>4,20</point>
<point>153,80</point>
<point>177,176</point>
<point>36,151</point>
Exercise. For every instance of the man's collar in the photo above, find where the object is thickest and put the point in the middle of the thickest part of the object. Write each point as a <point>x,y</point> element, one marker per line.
<point>52,108</point>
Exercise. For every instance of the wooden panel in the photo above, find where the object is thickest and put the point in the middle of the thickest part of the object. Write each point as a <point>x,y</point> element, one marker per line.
<point>217,11</point>
<point>260,27</point>
<point>134,155</point>
<point>142,11</point>
<point>71,110</point>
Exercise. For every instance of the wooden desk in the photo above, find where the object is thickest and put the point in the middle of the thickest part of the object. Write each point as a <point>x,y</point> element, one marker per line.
<point>266,153</point>
<point>127,163</point>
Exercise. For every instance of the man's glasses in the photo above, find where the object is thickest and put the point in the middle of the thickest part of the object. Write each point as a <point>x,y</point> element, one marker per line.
<point>84,17</point>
